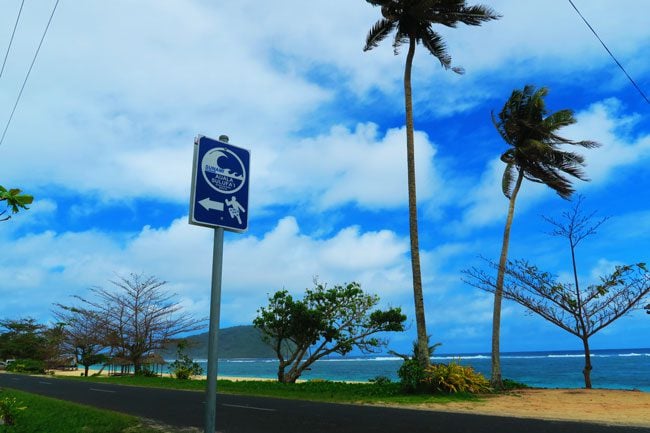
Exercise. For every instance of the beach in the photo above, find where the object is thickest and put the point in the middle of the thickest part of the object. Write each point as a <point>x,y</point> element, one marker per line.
<point>605,406</point>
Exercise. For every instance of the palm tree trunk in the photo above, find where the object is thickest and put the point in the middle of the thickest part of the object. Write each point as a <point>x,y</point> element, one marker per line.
<point>423,341</point>
<point>496,380</point>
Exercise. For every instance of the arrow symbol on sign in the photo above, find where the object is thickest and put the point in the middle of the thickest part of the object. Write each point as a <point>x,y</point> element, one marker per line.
<point>211,204</point>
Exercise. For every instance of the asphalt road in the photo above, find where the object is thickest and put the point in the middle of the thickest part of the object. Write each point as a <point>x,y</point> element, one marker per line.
<point>241,414</point>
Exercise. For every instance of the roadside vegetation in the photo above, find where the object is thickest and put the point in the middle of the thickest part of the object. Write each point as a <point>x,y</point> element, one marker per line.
<point>382,390</point>
<point>34,413</point>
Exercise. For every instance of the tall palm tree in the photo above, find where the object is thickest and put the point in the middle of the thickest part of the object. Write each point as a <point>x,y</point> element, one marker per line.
<point>412,21</point>
<point>535,154</point>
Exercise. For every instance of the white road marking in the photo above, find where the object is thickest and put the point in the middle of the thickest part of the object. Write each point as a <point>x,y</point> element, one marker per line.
<point>102,390</point>
<point>248,407</point>
<point>45,383</point>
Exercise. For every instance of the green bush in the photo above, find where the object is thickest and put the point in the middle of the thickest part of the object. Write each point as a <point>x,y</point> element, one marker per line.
<point>452,378</point>
<point>146,372</point>
<point>509,384</point>
<point>184,367</point>
<point>381,380</point>
<point>9,407</point>
<point>411,376</point>
<point>31,366</point>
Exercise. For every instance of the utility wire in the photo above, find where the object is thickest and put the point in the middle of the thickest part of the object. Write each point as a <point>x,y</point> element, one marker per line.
<point>636,86</point>
<point>4,133</point>
<point>4,62</point>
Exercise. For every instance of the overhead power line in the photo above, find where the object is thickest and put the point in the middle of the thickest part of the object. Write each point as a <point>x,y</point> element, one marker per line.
<point>636,86</point>
<point>11,116</point>
<point>11,40</point>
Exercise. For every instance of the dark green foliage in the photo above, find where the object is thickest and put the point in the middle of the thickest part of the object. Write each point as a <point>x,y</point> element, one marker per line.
<point>380,380</point>
<point>15,201</point>
<point>411,375</point>
<point>325,321</point>
<point>145,371</point>
<point>454,378</point>
<point>31,366</point>
<point>411,372</point>
<point>509,384</point>
<point>536,150</point>
<point>184,367</point>
<point>414,20</point>
<point>23,338</point>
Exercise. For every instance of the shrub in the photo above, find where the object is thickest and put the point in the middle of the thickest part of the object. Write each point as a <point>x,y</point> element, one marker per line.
<point>184,367</point>
<point>411,376</point>
<point>453,378</point>
<point>381,380</point>
<point>509,384</point>
<point>9,407</point>
<point>31,366</point>
<point>411,373</point>
<point>146,372</point>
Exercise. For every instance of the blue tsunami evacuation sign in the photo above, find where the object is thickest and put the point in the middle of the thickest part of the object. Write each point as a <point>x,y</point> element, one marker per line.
<point>220,179</point>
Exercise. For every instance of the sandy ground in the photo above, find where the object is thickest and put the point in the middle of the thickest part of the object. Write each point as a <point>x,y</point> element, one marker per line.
<point>596,405</point>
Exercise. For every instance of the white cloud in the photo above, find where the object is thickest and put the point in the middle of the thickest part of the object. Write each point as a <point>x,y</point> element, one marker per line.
<point>346,167</point>
<point>48,267</point>
<point>606,123</point>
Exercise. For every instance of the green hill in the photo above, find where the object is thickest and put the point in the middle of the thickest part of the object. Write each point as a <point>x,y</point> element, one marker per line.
<point>234,342</point>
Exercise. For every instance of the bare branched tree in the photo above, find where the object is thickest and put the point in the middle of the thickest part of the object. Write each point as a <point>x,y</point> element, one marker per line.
<point>85,334</point>
<point>140,316</point>
<point>581,312</point>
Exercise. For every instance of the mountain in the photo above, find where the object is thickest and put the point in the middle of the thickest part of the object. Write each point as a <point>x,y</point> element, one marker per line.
<point>234,342</point>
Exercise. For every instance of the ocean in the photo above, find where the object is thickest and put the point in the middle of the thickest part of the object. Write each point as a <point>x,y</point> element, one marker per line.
<point>615,369</point>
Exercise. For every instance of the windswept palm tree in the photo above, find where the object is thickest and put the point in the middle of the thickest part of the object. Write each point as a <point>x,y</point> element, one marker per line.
<point>413,21</point>
<point>535,154</point>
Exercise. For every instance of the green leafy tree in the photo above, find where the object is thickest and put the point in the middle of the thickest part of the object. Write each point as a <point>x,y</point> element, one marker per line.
<point>413,21</point>
<point>534,154</point>
<point>325,321</point>
<point>14,201</point>
<point>22,339</point>
<point>581,312</point>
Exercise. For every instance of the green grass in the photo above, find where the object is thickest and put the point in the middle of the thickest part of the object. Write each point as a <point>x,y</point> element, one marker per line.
<point>339,392</point>
<point>43,414</point>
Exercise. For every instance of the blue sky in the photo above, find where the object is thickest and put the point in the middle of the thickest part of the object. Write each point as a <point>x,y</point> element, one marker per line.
<point>103,139</point>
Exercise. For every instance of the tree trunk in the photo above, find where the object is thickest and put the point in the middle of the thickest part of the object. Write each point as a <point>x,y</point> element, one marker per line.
<point>86,370</point>
<point>496,380</point>
<point>281,373</point>
<point>587,370</point>
<point>423,341</point>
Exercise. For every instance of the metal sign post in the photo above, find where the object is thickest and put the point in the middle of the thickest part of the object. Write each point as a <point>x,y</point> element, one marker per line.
<point>213,336</point>
<point>219,199</point>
